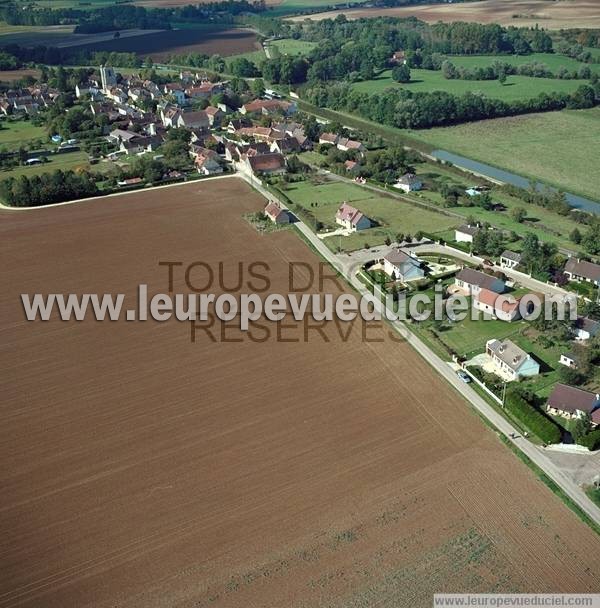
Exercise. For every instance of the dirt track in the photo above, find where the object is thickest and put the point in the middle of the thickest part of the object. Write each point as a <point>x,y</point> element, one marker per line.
<point>520,13</point>
<point>140,469</point>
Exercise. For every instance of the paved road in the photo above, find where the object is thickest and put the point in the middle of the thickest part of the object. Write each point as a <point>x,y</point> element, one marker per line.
<point>537,455</point>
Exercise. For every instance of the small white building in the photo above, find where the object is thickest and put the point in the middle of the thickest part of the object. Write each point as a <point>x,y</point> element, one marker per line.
<point>409,182</point>
<point>465,233</point>
<point>510,259</point>
<point>510,361</point>
<point>351,218</point>
<point>400,265</point>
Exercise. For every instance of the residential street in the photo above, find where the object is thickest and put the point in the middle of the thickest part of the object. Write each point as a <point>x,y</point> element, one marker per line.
<point>537,455</point>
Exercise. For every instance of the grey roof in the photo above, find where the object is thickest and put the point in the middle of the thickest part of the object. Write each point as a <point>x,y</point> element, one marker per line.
<point>468,229</point>
<point>511,255</point>
<point>397,257</point>
<point>509,353</point>
<point>582,268</point>
<point>474,277</point>
<point>590,325</point>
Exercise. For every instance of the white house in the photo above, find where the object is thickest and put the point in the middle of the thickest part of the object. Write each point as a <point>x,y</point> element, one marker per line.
<point>510,259</point>
<point>510,361</point>
<point>351,218</point>
<point>400,265</point>
<point>502,307</point>
<point>580,270</point>
<point>586,328</point>
<point>408,182</point>
<point>470,282</point>
<point>465,233</point>
<point>570,403</point>
<point>568,360</point>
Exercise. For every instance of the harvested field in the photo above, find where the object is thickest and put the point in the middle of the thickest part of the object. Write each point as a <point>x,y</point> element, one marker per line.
<point>140,469</point>
<point>520,13</point>
<point>161,45</point>
<point>12,75</point>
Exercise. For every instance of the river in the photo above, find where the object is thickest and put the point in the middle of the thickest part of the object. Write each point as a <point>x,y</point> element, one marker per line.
<point>578,202</point>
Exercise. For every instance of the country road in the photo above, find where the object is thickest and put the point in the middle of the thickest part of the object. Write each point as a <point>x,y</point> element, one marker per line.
<point>534,453</point>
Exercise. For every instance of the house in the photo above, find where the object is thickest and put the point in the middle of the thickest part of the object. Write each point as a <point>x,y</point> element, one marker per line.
<point>207,161</point>
<point>272,163</point>
<point>580,270</point>
<point>329,139</point>
<point>170,116</point>
<point>119,135</point>
<point>408,182</point>
<point>570,403</point>
<point>569,359</point>
<point>398,58</point>
<point>465,233</point>
<point>268,106</point>
<point>351,219</point>
<point>476,190</point>
<point>287,145</point>
<point>510,259</point>
<point>471,281</point>
<point>276,214</point>
<point>193,120</point>
<point>504,308</point>
<point>352,166</point>
<point>141,144</point>
<point>133,181</point>
<point>215,116</point>
<point>586,328</point>
<point>345,145</point>
<point>400,265</point>
<point>510,361</point>
<point>204,90</point>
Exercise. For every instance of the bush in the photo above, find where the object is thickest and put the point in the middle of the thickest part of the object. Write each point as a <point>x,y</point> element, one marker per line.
<point>591,441</point>
<point>532,418</point>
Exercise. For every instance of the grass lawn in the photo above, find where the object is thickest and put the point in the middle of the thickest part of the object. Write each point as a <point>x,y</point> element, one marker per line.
<point>289,46</point>
<point>394,216</point>
<point>254,56</point>
<point>514,89</point>
<point>552,60</point>
<point>560,148</point>
<point>68,160</point>
<point>18,132</point>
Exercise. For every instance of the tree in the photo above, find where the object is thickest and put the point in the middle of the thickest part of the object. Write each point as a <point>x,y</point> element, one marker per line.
<point>257,87</point>
<point>575,236</point>
<point>518,214</point>
<point>401,73</point>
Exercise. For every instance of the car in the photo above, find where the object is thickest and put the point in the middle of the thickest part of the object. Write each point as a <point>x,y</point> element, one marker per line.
<point>463,376</point>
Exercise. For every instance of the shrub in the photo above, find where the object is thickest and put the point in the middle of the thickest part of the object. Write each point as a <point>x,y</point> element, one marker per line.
<point>591,441</point>
<point>532,418</point>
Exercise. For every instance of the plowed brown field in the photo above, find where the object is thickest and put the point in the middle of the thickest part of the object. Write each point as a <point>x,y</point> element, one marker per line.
<point>520,13</point>
<point>140,469</point>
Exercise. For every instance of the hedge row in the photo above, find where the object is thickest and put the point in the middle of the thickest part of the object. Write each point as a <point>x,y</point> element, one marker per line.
<point>533,419</point>
<point>591,441</point>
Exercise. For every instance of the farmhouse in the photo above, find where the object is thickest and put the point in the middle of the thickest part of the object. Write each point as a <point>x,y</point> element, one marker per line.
<point>268,106</point>
<point>400,265</point>
<point>344,144</point>
<point>408,182</point>
<point>193,120</point>
<point>505,308</point>
<point>276,214</point>
<point>510,259</point>
<point>580,270</point>
<point>465,233</point>
<point>471,281</point>
<point>510,361</point>
<point>570,402</point>
<point>586,328</point>
<point>351,218</point>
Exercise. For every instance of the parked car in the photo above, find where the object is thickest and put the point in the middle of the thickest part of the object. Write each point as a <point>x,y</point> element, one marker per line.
<point>463,376</point>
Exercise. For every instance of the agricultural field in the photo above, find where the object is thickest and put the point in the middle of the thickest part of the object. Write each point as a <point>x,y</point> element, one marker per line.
<point>528,146</point>
<point>31,35</point>
<point>394,216</point>
<point>13,75</point>
<point>519,13</point>
<point>515,88</point>
<point>15,133</point>
<point>163,44</point>
<point>156,471</point>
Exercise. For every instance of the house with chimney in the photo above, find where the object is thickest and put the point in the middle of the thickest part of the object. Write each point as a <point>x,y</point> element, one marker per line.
<point>277,214</point>
<point>571,403</point>
<point>409,182</point>
<point>580,270</point>
<point>351,218</point>
<point>509,361</point>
